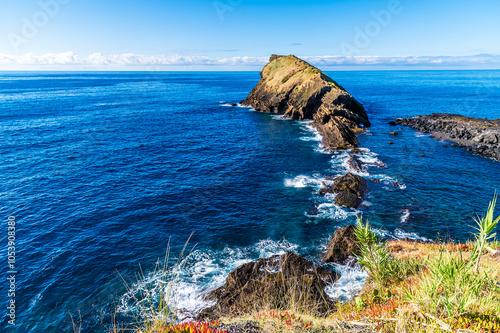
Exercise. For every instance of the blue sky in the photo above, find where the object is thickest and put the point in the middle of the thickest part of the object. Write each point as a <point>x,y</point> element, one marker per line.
<point>241,34</point>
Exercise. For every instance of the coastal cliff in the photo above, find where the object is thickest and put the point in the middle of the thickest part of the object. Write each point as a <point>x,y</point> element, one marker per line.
<point>480,136</point>
<point>298,90</point>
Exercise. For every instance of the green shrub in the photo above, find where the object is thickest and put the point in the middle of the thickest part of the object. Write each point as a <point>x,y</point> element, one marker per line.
<point>376,258</point>
<point>454,283</point>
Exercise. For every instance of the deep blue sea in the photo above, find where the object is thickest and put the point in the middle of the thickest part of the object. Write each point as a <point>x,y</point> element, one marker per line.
<point>100,170</point>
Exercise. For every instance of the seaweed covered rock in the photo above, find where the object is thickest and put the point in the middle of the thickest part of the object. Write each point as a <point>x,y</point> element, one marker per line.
<point>298,90</point>
<point>275,282</point>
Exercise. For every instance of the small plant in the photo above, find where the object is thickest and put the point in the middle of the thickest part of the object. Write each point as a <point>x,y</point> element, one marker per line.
<point>192,327</point>
<point>485,229</point>
<point>287,319</point>
<point>453,284</point>
<point>285,79</point>
<point>376,258</point>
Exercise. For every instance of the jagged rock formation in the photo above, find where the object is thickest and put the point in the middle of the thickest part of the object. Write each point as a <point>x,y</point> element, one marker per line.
<point>480,136</point>
<point>298,90</point>
<point>343,247</point>
<point>276,282</point>
<point>350,188</point>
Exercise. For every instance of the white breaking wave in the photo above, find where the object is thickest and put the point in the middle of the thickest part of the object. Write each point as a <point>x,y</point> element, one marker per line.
<point>400,234</point>
<point>312,134</point>
<point>279,117</point>
<point>348,285</point>
<point>199,273</point>
<point>302,181</point>
<point>405,215</point>
<point>329,210</point>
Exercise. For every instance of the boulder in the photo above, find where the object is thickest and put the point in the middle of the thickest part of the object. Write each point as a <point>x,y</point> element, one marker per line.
<point>292,87</point>
<point>275,282</point>
<point>343,247</point>
<point>394,133</point>
<point>348,199</point>
<point>350,189</point>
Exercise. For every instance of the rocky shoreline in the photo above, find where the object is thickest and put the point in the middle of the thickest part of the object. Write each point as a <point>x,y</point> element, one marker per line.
<point>479,136</point>
<point>294,88</point>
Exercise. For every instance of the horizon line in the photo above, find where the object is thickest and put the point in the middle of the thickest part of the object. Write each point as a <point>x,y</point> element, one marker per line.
<point>70,61</point>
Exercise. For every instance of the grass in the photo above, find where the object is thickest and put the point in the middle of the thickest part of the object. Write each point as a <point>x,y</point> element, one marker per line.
<point>412,287</point>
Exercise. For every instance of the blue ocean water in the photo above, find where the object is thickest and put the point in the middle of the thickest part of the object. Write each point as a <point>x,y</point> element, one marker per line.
<point>100,170</point>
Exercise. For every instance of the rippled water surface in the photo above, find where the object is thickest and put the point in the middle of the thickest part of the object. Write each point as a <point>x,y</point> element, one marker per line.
<point>101,169</point>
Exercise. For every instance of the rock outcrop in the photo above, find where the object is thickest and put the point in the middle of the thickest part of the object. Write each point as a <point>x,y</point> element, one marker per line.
<point>480,136</point>
<point>277,282</point>
<point>350,188</point>
<point>292,87</point>
<point>343,247</point>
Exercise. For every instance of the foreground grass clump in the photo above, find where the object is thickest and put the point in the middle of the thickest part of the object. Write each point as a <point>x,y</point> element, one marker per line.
<point>429,287</point>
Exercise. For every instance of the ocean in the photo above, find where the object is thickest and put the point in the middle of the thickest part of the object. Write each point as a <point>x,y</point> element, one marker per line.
<point>104,171</point>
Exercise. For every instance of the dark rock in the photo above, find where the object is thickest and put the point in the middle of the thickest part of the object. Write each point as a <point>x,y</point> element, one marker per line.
<point>381,165</point>
<point>392,123</point>
<point>377,181</point>
<point>477,135</point>
<point>390,142</point>
<point>422,155</point>
<point>354,163</point>
<point>276,282</point>
<point>233,104</point>
<point>348,199</point>
<point>454,145</point>
<point>313,210</point>
<point>342,247</point>
<point>356,151</point>
<point>394,133</point>
<point>350,189</point>
<point>298,90</point>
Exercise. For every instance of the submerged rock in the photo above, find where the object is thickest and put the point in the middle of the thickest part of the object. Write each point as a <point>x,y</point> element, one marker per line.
<point>354,163</point>
<point>274,282</point>
<point>298,90</point>
<point>356,151</point>
<point>480,136</point>
<point>342,248</point>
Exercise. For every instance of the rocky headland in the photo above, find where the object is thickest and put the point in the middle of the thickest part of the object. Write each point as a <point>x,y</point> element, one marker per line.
<point>298,90</point>
<point>479,136</point>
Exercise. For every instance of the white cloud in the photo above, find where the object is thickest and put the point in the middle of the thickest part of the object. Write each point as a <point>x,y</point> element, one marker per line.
<point>99,60</point>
